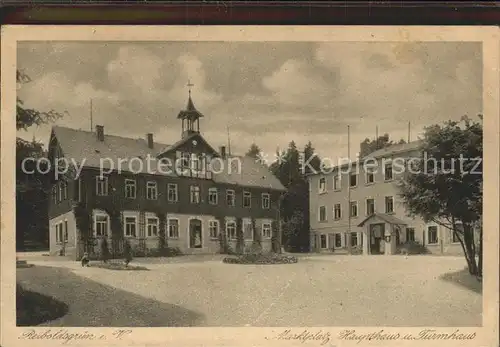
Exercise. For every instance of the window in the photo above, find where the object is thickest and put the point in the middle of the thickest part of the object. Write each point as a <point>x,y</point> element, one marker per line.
<point>64,185</point>
<point>322,241</point>
<point>322,185</point>
<point>231,230</point>
<point>172,192</point>
<point>353,180</point>
<point>185,160</point>
<point>389,204</point>
<point>370,176</point>
<point>247,199</point>
<point>60,233</point>
<point>388,172</point>
<point>266,201</point>
<point>353,209</point>
<point>213,227</point>
<point>370,207</point>
<point>230,197</point>
<point>337,211</point>
<point>58,237</point>
<point>247,230</point>
<point>151,190</point>
<point>432,234</point>
<point>194,193</point>
<point>460,230</point>
<point>336,182</point>
<point>266,230</point>
<point>65,231</point>
<point>338,240</point>
<point>60,186</point>
<point>354,239</point>
<point>130,189</point>
<point>54,194</point>
<point>101,186</point>
<point>195,163</point>
<point>410,234</point>
<point>152,226</point>
<point>213,196</point>
<point>101,225</point>
<point>130,226</point>
<point>322,213</point>
<point>173,228</point>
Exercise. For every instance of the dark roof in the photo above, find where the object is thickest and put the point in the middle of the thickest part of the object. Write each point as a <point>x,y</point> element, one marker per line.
<point>395,149</point>
<point>385,217</point>
<point>84,148</point>
<point>383,152</point>
<point>190,112</point>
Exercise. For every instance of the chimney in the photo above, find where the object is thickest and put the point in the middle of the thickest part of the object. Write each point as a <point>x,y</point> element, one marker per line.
<point>149,138</point>
<point>222,151</point>
<point>99,129</point>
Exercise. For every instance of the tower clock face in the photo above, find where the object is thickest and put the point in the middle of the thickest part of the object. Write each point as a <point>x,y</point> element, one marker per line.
<point>195,142</point>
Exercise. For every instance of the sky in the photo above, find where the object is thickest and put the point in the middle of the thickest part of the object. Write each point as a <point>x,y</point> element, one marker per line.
<point>268,93</point>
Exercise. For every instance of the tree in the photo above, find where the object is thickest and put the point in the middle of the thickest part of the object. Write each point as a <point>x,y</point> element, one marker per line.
<point>104,253</point>
<point>292,229</point>
<point>312,163</point>
<point>240,242</point>
<point>253,152</point>
<point>445,185</point>
<point>292,172</point>
<point>369,146</point>
<point>31,188</point>
<point>127,252</point>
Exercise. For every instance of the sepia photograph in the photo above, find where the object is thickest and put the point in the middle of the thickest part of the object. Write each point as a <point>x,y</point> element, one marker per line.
<point>209,182</point>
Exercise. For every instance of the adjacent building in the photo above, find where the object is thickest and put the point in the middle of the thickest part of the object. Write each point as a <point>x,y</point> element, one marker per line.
<point>123,193</point>
<point>357,208</point>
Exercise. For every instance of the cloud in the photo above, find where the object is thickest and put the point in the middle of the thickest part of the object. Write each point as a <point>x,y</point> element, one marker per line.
<point>296,83</point>
<point>268,93</point>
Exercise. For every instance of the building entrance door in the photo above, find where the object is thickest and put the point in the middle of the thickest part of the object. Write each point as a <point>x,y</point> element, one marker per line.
<point>376,236</point>
<point>195,235</point>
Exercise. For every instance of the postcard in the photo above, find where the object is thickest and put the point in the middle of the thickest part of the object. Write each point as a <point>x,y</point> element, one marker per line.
<point>249,185</point>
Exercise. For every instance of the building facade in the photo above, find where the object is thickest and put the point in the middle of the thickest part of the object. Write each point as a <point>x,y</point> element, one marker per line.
<point>356,208</point>
<point>138,190</point>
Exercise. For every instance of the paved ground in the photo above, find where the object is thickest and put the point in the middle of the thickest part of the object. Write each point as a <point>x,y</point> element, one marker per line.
<point>94,304</point>
<point>318,291</point>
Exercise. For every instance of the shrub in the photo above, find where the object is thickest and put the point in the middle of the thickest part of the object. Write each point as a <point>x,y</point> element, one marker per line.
<point>127,252</point>
<point>165,252</point>
<point>261,259</point>
<point>224,247</point>
<point>355,250</point>
<point>139,250</point>
<point>104,254</point>
<point>254,248</point>
<point>173,251</point>
<point>412,247</point>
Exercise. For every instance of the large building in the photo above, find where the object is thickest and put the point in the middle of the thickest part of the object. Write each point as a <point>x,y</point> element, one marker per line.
<point>357,208</point>
<point>124,193</point>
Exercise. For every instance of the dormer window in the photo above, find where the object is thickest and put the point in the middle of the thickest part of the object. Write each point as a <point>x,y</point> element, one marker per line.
<point>195,163</point>
<point>185,160</point>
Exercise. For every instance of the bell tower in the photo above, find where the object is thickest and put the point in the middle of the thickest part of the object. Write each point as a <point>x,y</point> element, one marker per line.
<point>190,116</point>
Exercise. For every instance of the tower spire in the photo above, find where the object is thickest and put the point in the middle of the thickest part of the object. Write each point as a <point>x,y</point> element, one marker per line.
<point>189,85</point>
<point>190,116</point>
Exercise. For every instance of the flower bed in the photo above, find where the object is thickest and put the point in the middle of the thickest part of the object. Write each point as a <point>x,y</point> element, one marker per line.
<point>119,266</point>
<point>261,259</point>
